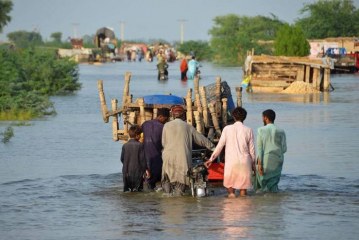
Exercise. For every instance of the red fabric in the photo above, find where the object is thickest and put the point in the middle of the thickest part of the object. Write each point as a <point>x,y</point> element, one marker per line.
<point>183,66</point>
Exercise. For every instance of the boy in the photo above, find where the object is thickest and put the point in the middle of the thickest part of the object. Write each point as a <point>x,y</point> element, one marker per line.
<point>133,160</point>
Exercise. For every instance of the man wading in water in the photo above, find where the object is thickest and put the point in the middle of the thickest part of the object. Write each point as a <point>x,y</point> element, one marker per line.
<point>152,131</point>
<point>177,139</point>
<point>271,146</point>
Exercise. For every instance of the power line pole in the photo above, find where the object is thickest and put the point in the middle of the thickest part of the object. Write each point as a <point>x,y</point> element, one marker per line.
<point>182,21</point>
<point>74,25</point>
<point>122,31</point>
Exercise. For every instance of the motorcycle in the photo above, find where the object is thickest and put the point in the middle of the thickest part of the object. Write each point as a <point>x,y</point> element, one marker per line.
<point>162,71</point>
<point>198,174</point>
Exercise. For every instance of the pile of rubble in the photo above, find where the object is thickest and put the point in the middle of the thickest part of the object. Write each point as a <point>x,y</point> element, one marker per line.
<point>299,87</point>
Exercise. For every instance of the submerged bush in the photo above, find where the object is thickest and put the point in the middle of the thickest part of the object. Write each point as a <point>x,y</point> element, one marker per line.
<point>7,134</point>
<point>28,77</point>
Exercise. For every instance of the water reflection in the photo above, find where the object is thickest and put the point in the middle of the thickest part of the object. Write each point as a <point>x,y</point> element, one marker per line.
<point>236,214</point>
<point>173,211</point>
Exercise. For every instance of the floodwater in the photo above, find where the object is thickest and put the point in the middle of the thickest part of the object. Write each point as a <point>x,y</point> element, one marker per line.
<point>60,178</point>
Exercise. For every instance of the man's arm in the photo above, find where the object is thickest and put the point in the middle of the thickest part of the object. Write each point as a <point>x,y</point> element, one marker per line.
<point>260,152</point>
<point>284,143</point>
<point>201,140</point>
<point>123,154</point>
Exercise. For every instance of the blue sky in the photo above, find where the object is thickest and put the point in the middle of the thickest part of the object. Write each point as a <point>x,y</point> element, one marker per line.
<point>142,19</point>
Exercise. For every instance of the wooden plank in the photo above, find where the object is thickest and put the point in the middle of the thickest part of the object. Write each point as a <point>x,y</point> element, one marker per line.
<point>267,89</point>
<point>266,83</point>
<point>273,78</point>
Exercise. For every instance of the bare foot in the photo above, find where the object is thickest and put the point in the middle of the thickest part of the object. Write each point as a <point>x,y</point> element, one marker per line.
<point>243,192</point>
<point>231,195</point>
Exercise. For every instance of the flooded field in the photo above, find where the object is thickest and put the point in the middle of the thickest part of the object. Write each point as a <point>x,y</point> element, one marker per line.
<point>60,178</point>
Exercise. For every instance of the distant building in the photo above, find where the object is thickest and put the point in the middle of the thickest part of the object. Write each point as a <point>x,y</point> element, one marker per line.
<point>320,46</point>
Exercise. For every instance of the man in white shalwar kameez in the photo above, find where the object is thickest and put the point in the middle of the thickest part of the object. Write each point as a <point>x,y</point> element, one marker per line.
<point>238,140</point>
<point>177,139</point>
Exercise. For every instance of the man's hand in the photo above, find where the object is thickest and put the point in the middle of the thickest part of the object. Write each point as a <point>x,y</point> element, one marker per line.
<point>208,163</point>
<point>147,174</point>
<point>260,170</point>
<point>260,167</point>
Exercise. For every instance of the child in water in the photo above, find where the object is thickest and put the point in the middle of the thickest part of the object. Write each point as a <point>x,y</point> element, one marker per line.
<point>134,168</point>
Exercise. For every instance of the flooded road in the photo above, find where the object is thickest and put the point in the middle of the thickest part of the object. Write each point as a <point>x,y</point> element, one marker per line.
<point>60,178</point>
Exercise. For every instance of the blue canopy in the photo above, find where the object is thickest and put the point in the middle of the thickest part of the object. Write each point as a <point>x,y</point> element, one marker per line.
<point>163,99</point>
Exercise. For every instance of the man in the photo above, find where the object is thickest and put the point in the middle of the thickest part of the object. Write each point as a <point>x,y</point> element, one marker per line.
<point>162,67</point>
<point>238,140</point>
<point>193,66</point>
<point>177,139</point>
<point>152,133</point>
<point>271,146</point>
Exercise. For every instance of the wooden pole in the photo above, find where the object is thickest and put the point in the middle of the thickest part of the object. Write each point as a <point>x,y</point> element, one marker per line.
<point>199,110</point>
<point>126,88</point>
<point>198,121</point>
<point>196,84</point>
<point>218,97</point>
<point>202,92</point>
<point>307,74</point>
<point>316,80</point>
<point>141,103</point>
<point>224,111</point>
<point>214,119</point>
<point>101,94</point>
<point>132,118</point>
<point>189,107</point>
<point>115,120</point>
<point>155,110</point>
<point>125,100</point>
<point>239,96</point>
<point>326,82</point>
<point>196,88</point>
<point>300,73</point>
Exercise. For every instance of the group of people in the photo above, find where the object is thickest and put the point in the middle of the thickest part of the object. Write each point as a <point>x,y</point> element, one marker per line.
<point>189,69</point>
<point>240,158</point>
<point>159,154</point>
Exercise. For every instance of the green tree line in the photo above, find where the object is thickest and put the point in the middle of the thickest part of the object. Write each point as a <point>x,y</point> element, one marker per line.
<point>28,77</point>
<point>233,35</point>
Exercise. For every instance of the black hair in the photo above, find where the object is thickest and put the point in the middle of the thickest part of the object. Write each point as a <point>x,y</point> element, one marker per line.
<point>239,114</point>
<point>134,131</point>
<point>270,114</point>
<point>165,112</point>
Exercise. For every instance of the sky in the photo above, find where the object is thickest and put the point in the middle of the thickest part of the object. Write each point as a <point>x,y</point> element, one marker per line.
<point>141,19</point>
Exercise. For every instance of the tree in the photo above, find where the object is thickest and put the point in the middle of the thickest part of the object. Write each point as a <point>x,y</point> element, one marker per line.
<point>233,35</point>
<point>88,41</point>
<point>5,8</point>
<point>56,36</point>
<point>200,48</point>
<point>28,77</point>
<point>290,41</point>
<point>24,39</point>
<point>330,18</point>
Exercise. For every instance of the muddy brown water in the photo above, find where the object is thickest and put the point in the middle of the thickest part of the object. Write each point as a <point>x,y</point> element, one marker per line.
<point>60,178</point>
